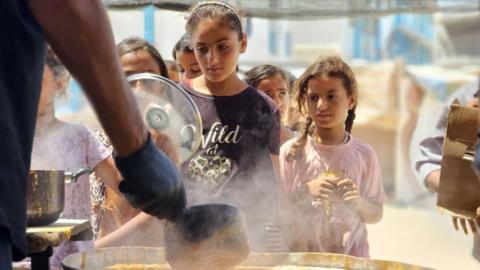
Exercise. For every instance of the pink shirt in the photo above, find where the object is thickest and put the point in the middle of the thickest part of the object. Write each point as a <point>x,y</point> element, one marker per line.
<point>67,146</point>
<point>336,228</point>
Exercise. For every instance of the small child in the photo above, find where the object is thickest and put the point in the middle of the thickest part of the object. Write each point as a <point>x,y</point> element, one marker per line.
<point>294,118</point>
<point>173,71</point>
<point>59,145</point>
<point>185,57</point>
<point>332,179</point>
<point>273,81</point>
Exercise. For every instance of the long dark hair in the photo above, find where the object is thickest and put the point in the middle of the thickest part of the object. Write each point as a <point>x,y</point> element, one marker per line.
<point>326,67</point>
<point>134,44</point>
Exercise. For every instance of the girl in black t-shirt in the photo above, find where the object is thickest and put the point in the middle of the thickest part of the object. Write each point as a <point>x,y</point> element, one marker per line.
<point>241,127</point>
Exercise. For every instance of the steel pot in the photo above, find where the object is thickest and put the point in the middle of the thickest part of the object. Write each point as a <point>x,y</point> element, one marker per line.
<point>46,194</point>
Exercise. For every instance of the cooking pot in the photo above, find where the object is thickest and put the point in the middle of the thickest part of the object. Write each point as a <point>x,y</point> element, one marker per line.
<point>46,194</point>
<point>143,258</point>
<point>207,236</point>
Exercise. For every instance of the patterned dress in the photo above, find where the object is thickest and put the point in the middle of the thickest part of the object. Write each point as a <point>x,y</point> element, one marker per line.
<point>98,189</point>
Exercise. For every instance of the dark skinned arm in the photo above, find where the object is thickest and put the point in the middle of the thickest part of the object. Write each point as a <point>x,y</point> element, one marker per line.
<point>79,32</point>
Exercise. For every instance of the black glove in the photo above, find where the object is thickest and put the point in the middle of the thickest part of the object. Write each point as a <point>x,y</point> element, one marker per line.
<point>151,182</point>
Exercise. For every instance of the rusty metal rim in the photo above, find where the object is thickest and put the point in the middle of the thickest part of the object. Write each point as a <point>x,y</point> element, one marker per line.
<point>94,260</point>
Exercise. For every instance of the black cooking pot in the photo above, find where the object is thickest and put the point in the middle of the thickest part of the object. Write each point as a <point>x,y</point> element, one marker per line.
<point>46,194</point>
<point>206,237</point>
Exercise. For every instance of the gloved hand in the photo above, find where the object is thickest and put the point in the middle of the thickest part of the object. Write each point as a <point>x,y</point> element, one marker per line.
<point>151,182</point>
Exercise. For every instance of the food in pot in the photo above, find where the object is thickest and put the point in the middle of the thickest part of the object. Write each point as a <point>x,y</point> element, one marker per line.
<point>223,250</point>
<point>207,237</point>
<point>166,267</point>
<point>138,266</point>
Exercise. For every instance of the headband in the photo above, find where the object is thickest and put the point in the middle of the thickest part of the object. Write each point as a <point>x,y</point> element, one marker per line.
<point>218,4</point>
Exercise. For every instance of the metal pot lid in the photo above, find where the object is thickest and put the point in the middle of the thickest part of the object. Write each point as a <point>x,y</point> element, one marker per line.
<point>168,109</point>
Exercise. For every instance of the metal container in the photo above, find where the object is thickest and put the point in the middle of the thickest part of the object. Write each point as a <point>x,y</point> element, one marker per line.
<point>207,237</point>
<point>102,258</point>
<point>46,194</point>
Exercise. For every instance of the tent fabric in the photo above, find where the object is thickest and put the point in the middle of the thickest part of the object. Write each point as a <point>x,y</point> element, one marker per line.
<point>308,9</point>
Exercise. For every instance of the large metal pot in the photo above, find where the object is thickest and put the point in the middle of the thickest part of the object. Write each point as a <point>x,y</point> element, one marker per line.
<point>46,194</point>
<point>143,256</point>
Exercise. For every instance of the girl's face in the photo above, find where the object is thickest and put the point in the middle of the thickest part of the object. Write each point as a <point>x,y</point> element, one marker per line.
<point>217,49</point>
<point>327,102</point>
<point>276,88</point>
<point>51,86</point>
<point>138,62</point>
<point>187,65</point>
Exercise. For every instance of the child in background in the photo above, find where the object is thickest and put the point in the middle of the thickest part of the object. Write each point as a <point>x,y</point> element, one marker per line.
<point>119,223</point>
<point>273,82</point>
<point>294,118</point>
<point>60,145</point>
<point>333,179</point>
<point>185,57</point>
<point>241,127</point>
<point>137,56</point>
<point>173,71</point>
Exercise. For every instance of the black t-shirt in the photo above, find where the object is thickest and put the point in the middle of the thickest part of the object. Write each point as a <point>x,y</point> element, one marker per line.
<point>233,164</point>
<point>22,57</point>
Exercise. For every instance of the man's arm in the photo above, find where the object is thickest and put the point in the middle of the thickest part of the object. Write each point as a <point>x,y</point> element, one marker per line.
<point>79,32</point>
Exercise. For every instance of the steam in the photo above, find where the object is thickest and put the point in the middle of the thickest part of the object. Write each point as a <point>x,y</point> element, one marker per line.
<point>256,194</point>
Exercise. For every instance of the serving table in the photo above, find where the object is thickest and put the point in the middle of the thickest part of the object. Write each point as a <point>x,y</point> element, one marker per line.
<point>42,239</point>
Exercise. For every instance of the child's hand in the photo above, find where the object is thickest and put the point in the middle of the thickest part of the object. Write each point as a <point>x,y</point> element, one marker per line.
<point>322,187</point>
<point>348,190</point>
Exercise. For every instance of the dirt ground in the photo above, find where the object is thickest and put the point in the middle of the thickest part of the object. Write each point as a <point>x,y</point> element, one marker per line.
<point>418,234</point>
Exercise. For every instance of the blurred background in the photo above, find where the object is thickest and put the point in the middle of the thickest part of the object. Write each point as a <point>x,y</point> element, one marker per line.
<point>408,57</point>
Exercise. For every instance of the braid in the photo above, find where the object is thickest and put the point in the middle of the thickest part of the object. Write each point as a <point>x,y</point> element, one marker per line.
<point>297,147</point>
<point>349,120</point>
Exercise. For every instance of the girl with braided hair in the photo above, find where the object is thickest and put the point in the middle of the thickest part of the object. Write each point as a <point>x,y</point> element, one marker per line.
<point>332,179</point>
